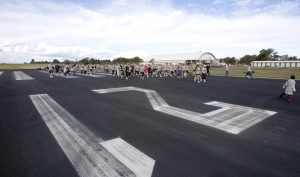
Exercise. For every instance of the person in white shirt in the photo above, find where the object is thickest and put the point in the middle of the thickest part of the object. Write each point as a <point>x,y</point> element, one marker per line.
<point>50,70</point>
<point>197,74</point>
<point>289,88</point>
<point>249,72</point>
<point>227,68</point>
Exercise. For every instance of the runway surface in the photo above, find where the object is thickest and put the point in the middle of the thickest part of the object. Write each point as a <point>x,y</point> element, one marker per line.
<point>99,125</point>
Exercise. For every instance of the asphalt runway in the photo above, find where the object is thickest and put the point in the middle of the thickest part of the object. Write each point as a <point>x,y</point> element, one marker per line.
<point>160,127</point>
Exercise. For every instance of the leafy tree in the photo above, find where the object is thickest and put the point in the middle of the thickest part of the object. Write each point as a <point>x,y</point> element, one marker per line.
<point>266,55</point>
<point>92,61</point>
<point>229,60</point>
<point>104,62</point>
<point>293,58</point>
<point>152,61</point>
<point>247,59</point>
<point>55,61</point>
<point>66,61</point>
<point>32,61</point>
<point>84,61</point>
<point>283,57</point>
<point>136,59</point>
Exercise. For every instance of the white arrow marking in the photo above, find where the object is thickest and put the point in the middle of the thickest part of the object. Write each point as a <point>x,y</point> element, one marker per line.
<point>20,75</point>
<point>82,147</point>
<point>230,118</point>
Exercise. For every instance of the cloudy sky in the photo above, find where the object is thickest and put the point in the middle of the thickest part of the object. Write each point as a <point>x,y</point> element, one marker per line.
<point>107,29</point>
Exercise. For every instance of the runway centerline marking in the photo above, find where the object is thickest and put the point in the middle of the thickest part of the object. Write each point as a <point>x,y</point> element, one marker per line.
<point>90,156</point>
<point>229,117</point>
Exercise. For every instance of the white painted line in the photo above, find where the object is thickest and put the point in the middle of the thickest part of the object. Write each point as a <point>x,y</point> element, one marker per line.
<point>89,157</point>
<point>20,75</point>
<point>229,117</point>
<point>80,145</point>
<point>105,74</point>
<point>218,111</point>
<point>60,75</point>
<point>1,72</point>
<point>89,75</point>
<point>135,160</point>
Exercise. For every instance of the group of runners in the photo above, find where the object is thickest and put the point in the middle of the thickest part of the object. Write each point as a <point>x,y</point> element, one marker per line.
<point>152,70</point>
<point>125,71</point>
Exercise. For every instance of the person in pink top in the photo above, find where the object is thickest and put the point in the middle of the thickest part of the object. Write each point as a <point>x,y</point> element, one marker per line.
<point>146,67</point>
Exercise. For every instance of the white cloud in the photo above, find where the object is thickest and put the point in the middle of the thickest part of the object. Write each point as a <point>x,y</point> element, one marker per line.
<point>241,3</point>
<point>47,30</point>
<point>217,2</point>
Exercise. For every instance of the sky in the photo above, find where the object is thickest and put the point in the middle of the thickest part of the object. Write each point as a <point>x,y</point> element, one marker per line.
<point>106,29</point>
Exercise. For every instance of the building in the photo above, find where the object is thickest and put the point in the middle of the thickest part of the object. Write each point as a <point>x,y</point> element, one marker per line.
<point>293,63</point>
<point>187,58</point>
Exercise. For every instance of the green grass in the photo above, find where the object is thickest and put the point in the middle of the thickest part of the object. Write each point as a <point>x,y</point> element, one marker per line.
<point>271,72</point>
<point>20,66</point>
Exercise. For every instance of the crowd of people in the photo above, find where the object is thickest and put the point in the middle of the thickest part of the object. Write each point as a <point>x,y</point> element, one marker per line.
<point>125,71</point>
<point>199,71</point>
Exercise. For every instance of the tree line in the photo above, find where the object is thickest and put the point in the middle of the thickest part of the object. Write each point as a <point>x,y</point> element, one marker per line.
<point>264,55</point>
<point>93,61</point>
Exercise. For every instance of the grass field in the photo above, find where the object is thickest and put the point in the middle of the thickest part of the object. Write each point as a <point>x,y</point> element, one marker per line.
<point>271,72</point>
<point>20,66</point>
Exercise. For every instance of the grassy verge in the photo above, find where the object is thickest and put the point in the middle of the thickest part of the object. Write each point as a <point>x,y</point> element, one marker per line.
<point>20,66</point>
<point>259,71</point>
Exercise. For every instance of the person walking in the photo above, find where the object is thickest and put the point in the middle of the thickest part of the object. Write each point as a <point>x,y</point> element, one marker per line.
<point>207,69</point>
<point>227,68</point>
<point>290,88</point>
<point>249,72</point>
<point>50,70</point>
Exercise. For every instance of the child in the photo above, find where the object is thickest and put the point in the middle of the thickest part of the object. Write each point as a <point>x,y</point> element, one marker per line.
<point>290,88</point>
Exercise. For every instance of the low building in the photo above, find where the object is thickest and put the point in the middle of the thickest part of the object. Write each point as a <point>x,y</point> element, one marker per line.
<point>187,58</point>
<point>292,63</point>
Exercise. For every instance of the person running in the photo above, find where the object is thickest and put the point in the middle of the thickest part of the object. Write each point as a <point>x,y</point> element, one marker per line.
<point>137,70</point>
<point>197,74</point>
<point>81,69</point>
<point>179,68</point>
<point>290,88</point>
<point>56,69</point>
<point>185,70</point>
<point>118,69</point>
<point>204,73</point>
<point>50,70</point>
<point>166,70</point>
<point>171,70</point>
<point>122,69</point>
<point>146,70</point>
<point>159,70</point>
<point>142,71</point>
<point>127,71</point>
